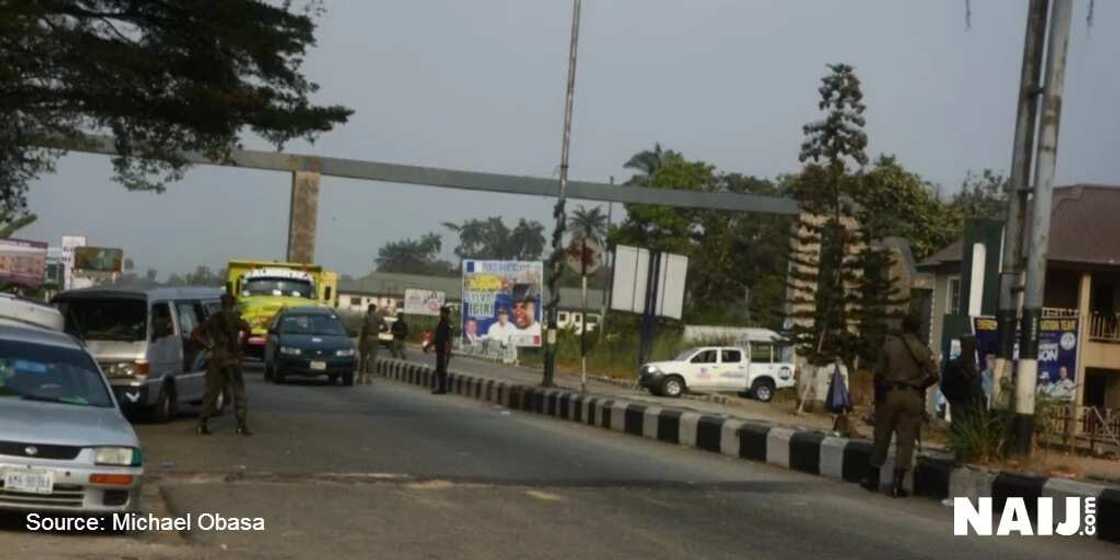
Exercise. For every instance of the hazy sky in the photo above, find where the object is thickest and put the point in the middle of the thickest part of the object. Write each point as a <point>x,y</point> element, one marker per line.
<point>479,85</point>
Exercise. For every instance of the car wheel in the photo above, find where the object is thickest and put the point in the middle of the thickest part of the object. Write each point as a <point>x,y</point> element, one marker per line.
<point>763,390</point>
<point>348,379</point>
<point>332,379</point>
<point>672,386</point>
<point>167,407</point>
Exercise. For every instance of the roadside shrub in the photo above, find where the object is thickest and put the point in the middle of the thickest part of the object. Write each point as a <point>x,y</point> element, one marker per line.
<point>981,436</point>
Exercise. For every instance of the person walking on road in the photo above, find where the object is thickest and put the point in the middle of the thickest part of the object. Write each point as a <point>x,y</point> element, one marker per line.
<point>368,342</point>
<point>400,333</point>
<point>443,350</point>
<point>220,334</point>
<point>904,371</point>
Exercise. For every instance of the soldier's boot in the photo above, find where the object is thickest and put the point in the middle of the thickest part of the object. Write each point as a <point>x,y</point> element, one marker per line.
<point>870,480</point>
<point>202,429</point>
<point>898,489</point>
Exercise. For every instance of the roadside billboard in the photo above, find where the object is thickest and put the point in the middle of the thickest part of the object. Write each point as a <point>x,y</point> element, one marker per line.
<point>423,302</point>
<point>98,259</point>
<point>502,302</point>
<point>634,277</point>
<point>1057,353</point>
<point>23,262</point>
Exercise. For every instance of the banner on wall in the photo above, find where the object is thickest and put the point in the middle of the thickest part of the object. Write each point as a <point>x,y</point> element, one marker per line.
<point>502,302</point>
<point>1057,353</point>
<point>423,302</point>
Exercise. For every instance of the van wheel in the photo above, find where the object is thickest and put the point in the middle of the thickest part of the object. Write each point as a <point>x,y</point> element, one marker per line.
<point>673,386</point>
<point>763,389</point>
<point>167,406</point>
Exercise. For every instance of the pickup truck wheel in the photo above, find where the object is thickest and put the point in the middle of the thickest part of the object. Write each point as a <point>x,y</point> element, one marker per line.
<point>763,390</point>
<point>672,386</point>
<point>167,406</point>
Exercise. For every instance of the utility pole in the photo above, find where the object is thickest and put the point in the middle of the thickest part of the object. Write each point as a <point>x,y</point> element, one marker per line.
<point>1018,187</point>
<point>557,259</point>
<point>608,254</point>
<point>583,310</point>
<point>1058,47</point>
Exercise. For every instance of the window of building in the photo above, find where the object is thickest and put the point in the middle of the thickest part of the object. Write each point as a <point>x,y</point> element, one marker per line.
<point>953,303</point>
<point>356,301</point>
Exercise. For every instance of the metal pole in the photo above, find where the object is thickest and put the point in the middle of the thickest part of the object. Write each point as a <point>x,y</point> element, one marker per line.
<point>1058,47</point>
<point>557,258</point>
<point>610,283</point>
<point>1017,189</point>
<point>583,323</point>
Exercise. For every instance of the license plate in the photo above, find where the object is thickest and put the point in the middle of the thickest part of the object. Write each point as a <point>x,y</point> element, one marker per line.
<point>29,481</point>
<point>318,366</point>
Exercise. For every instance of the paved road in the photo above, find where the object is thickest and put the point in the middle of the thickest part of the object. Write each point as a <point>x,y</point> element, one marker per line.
<point>387,470</point>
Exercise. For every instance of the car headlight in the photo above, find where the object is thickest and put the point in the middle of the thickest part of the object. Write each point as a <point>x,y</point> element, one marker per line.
<point>345,353</point>
<point>290,351</point>
<point>649,370</point>
<point>120,370</point>
<point>118,456</point>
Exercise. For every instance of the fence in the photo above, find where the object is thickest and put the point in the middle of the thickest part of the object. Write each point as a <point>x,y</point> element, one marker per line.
<point>1104,326</point>
<point>1083,426</point>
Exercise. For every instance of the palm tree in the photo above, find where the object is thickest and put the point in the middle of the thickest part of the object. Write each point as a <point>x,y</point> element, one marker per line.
<point>589,224</point>
<point>646,163</point>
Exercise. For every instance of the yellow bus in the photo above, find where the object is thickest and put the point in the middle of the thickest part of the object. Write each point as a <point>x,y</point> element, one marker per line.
<point>263,288</point>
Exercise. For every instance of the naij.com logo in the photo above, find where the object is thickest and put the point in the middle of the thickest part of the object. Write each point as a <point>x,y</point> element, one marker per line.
<point>971,518</point>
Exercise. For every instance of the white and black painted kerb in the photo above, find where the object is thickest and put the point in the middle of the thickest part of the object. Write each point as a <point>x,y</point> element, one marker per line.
<point>800,450</point>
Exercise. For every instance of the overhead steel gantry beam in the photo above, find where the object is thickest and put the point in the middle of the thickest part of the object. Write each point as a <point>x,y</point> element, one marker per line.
<point>306,170</point>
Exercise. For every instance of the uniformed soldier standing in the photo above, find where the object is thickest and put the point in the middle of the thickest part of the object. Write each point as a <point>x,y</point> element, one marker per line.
<point>904,371</point>
<point>220,334</point>
<point>369,342</point>
<point>443,350</point>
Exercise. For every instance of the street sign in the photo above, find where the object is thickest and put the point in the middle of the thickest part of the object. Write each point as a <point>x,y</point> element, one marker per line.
<point>584,255</point>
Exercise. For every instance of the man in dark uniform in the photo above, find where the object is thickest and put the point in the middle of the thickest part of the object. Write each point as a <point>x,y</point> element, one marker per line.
<point>443,350</point>
<point>220,334</point>
<point>369,342</point>
<point>400,333</point>
<point>904,371</point>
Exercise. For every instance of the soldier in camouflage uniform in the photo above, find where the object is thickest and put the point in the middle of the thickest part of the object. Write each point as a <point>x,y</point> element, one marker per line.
<point>220,334</point>
<point>368,342</point>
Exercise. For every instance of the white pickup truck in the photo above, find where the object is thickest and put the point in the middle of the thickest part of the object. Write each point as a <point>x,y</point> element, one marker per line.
<point>754,367</point>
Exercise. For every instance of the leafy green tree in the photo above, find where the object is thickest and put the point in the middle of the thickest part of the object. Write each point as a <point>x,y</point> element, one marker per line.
<point>10,224</point>
<point>664,228</point>
<point>409,256</point>
<point>163,78</point>
<point>491,239</point>
<point>982,195</point>
<point>900,203</point>
<point>823,327</point>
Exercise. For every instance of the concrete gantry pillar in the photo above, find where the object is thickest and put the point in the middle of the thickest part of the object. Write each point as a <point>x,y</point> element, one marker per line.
<point>303,216</point>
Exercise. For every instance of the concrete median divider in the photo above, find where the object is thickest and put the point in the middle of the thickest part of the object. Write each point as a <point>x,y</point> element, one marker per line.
<point>802,450</point>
